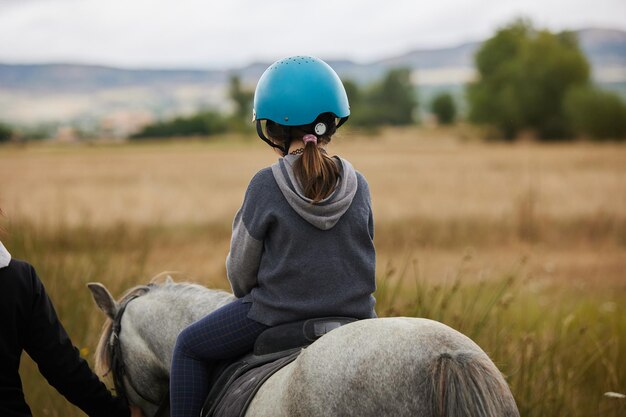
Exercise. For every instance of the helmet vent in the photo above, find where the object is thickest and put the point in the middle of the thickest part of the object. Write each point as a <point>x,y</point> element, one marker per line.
<point>292,60</point>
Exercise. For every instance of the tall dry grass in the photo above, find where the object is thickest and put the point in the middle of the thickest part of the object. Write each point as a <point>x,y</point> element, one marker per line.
<point>521,247</point>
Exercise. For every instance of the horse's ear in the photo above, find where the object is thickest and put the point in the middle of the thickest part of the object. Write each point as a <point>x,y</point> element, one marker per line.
<point>103,299</point>
<point>169,279</point>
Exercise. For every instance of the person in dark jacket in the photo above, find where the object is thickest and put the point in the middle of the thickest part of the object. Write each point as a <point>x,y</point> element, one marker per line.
<point>28,322</point>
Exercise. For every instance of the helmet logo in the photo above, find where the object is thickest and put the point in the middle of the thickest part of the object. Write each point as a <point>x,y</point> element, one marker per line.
<point>320,128</point>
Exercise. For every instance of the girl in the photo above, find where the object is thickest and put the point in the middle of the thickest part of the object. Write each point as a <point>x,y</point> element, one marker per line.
<point>302,243</point>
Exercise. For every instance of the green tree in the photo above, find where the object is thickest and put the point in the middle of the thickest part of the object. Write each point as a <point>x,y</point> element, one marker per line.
<point>393,99</point>
<point>6,133</point>
<point>444,108</point>
<point>200,124</point>
<point>241,97</point>
<point>597,113</point>
<point>524,75</point>
<point>361,107</point>
<point>390,101</point>
<point>355,95</point>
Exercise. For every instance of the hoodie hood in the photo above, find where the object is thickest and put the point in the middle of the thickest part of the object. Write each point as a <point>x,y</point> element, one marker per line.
<point>325,214</point>
<point>5,256</point>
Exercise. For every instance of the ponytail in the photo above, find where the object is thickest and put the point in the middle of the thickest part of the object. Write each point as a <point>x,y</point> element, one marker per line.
<point>316,172</point>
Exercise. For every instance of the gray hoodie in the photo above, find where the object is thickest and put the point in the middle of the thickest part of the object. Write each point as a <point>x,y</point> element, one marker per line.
<point>293,259</point>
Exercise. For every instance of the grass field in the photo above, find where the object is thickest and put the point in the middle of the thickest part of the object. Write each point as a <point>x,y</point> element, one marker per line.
<point>521,247</point>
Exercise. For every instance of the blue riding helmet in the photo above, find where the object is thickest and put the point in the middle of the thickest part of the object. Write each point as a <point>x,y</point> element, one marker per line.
<point>295,90</point>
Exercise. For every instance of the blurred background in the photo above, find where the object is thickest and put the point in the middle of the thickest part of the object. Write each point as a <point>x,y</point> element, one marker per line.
<point>492,134</point>
<point>80,69</point>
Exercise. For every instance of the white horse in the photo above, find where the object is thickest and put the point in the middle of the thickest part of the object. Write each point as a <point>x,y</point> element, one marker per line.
<point>376,367</point>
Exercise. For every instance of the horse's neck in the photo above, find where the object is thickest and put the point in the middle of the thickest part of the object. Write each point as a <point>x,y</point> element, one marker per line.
<point>152,322</point>
<point>191,300</point>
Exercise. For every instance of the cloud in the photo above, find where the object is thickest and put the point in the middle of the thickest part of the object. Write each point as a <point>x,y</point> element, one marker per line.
<point>234,32</point>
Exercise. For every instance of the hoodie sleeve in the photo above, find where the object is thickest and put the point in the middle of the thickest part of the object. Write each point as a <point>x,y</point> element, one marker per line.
<point>366,192</point>
<point>242,262</point>
<point>246,245</point>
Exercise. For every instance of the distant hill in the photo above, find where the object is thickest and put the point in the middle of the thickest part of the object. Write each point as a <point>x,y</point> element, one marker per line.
<point>74,77</point>
<point>47,92</point>
<point>461,56</point>
<point>602,47</point>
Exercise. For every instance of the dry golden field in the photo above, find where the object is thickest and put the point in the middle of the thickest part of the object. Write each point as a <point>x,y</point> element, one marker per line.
<point>520,246</point>
<point>434,198</point>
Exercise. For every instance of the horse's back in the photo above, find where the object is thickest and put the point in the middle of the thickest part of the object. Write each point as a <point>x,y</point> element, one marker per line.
<point>367,368</point>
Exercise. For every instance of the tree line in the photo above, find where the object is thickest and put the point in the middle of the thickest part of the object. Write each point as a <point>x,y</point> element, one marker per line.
<point>527,80</point>
<point>391,101</point>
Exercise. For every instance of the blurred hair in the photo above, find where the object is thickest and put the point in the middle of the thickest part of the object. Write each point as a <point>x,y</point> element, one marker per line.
<point>316,172</point>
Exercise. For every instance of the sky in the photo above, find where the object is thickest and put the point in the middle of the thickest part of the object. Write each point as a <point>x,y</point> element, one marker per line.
<point>232,33</point>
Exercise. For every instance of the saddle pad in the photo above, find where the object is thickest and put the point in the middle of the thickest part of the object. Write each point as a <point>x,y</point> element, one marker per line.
<point>238,396</point>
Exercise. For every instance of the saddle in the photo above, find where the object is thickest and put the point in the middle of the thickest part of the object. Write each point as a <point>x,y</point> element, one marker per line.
<point>234,383</point>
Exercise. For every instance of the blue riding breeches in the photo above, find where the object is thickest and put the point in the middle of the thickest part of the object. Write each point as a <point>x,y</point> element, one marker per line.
<point>225,333</point>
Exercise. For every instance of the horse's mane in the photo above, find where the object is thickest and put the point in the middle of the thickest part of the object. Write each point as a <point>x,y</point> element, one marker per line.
<point>103,355</point>
<point>160,282</point>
